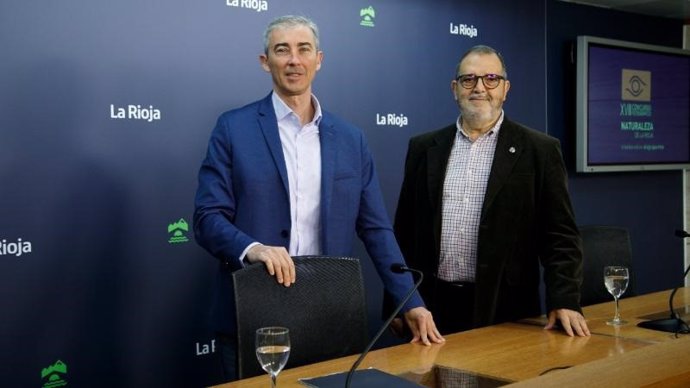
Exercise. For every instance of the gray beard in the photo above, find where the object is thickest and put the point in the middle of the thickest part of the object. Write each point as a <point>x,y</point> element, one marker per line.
<point>472,117</point>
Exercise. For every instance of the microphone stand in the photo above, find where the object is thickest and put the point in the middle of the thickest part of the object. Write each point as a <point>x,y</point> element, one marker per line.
<point>674,324</point>
<point>397,268</point>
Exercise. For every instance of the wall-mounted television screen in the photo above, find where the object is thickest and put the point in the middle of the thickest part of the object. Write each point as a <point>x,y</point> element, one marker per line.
<point>633,106</point>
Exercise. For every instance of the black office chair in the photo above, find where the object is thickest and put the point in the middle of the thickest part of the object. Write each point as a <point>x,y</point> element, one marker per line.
<point>602,246</point>
<point>324,309</point>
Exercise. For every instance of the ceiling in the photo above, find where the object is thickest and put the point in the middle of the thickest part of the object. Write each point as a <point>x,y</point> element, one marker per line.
<point>674,9</point>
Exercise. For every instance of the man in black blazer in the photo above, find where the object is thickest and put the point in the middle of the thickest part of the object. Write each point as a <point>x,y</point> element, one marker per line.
<point>484,201</point>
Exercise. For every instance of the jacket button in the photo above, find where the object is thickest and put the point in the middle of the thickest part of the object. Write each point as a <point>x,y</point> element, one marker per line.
<point>284,234</point>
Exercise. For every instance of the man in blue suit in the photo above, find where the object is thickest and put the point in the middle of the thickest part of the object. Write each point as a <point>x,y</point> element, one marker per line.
<point>283,178</point>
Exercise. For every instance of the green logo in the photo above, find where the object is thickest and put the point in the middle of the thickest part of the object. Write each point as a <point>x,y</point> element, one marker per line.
<point>53,374</point>
<point>368,15</point>
<point>178,230</point>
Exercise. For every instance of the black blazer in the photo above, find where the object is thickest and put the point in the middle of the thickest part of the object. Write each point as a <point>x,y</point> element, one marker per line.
<point>527,218</point>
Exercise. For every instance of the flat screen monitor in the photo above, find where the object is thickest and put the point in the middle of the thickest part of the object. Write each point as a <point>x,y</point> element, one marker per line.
<point>633,106</point>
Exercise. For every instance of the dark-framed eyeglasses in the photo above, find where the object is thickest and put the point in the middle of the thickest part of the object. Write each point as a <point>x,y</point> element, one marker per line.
<point>469,81</point>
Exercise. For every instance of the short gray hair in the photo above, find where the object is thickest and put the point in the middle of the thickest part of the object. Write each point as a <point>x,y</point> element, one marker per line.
<point>481,49</point>
<point>290,21</point>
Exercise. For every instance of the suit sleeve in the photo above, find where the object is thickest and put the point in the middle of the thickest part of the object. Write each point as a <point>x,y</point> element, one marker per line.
<point>215,204</point>
<point>561,246</point>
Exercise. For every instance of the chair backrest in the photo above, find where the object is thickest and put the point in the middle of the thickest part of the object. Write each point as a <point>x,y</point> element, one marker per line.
<point>324,309</point>
<point>602,246</point>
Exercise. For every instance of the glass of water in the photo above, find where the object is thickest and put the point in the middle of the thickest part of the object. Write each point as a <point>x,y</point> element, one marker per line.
<point>616,280</point>
<point>273,350</point>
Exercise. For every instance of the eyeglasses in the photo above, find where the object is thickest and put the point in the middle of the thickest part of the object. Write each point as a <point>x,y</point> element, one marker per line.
<point>469,81</point>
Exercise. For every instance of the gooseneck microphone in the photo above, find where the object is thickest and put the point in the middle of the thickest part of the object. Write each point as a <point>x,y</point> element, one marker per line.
<point>682,233</point>
<point>402,268</point>
<point>397,268</point>
<point>674,324</point>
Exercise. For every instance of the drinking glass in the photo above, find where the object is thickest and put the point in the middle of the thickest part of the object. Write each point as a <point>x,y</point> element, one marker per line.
<point>616,281</point>
<point>272,349</point>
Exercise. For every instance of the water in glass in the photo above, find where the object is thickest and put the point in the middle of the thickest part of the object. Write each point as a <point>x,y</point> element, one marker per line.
<point>616,284</point>
<point>273,358</point>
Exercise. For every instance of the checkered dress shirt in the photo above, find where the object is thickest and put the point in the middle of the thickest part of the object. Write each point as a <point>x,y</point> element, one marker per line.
<point>464,187</point>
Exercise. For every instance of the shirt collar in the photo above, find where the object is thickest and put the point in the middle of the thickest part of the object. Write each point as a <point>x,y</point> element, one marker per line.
<point>282,110</point>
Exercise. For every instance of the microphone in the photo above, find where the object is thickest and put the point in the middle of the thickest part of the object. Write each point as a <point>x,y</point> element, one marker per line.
<point>396,268</point>
<point>402,268</point>
<point>674,324</point>
<point>682,233</point>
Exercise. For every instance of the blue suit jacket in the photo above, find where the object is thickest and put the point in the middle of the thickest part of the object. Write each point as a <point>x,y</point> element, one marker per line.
<point>243,198</point>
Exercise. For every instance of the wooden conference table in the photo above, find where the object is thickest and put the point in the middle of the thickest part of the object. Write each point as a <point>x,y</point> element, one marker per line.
<point>525,353</point>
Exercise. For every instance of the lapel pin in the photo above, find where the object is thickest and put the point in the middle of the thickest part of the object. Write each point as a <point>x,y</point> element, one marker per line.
<point>511,150</point>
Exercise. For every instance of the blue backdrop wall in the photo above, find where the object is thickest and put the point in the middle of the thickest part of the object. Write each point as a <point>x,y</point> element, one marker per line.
<point>105,111</point>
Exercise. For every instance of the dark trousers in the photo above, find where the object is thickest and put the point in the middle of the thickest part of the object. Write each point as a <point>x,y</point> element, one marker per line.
<point>228,356</point>
<point>452,305</point>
